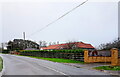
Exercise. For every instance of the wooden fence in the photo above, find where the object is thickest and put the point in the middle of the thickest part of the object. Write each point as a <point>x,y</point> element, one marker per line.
<point>114,58</point>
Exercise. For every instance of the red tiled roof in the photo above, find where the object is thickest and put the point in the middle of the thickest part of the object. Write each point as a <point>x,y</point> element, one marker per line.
<point>78,44</point>
<point>52,47</point>
<point>84,45</point>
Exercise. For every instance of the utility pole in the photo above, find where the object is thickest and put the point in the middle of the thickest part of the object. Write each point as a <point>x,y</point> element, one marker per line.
<point>2,47</point>
<point>24,35</point>
<point>24,40</point>
<point>118,22</point>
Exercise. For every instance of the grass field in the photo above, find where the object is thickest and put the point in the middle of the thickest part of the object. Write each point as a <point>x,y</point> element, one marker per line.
<point>114,68</point>
<point>1,64</point>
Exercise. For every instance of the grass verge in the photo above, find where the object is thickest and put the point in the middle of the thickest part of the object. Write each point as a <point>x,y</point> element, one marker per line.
<point>57,60</point>
<point>1,64</point>
<point>113,68</point>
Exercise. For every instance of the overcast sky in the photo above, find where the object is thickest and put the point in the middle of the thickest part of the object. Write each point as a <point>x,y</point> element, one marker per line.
<point>94,22</point>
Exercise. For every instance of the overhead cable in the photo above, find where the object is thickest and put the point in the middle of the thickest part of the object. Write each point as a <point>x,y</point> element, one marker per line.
<point>59,18</point>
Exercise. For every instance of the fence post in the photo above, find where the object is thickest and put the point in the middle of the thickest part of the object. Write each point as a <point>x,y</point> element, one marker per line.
<point>86,55</point>
<point>114,56</point>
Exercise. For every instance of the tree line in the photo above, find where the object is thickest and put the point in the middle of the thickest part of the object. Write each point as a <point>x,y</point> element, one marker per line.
<point>107,46</point>
<point>20,44</point>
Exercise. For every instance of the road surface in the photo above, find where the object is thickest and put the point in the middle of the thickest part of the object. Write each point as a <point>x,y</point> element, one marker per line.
<point>20,65</point>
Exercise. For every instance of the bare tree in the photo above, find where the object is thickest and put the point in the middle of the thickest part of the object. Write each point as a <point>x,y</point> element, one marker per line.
<point>3,45</point>
<point>71,45</point>
<point>42,43</point>
<point>0,47</point>
<point>57,42</point>
<point>50,43</point>
<point>107,46</point>
<point>54,43</point>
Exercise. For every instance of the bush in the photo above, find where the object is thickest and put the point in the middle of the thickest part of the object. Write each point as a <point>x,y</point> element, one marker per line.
<point>5,51</point>
<point>66,54</point>
<point>55,51</point>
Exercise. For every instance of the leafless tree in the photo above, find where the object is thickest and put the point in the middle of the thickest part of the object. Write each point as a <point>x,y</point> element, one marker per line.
<point>107,46</point>
<point>42,43</point>
<point>71,45</point>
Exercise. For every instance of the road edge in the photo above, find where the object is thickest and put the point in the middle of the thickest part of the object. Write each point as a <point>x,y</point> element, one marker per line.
<point>105,71</point>
<point>3,70</point>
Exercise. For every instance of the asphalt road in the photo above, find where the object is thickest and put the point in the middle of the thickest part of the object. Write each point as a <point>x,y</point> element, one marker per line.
<point>20,65</point>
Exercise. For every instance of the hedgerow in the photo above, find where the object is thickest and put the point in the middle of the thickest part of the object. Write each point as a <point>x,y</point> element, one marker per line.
<point>66,54</point>
<point>61,51</point>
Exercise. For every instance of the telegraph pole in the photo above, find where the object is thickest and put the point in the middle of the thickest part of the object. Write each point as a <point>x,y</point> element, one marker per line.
<point>24,40</point>
<point>118,22</point>
<point>2,47</point>
<point>24,35</point>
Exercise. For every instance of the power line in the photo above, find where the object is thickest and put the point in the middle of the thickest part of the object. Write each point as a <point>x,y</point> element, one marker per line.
<point>58,18</point>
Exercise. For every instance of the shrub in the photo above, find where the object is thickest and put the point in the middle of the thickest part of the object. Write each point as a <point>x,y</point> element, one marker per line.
<point>5,51</point>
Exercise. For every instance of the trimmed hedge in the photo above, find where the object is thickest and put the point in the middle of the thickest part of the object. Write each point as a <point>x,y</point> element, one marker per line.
<point>65,54</point>
<point>63,51</point>
<point>5,51</point>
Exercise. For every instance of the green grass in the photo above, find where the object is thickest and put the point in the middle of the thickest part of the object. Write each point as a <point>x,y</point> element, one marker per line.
<point>57,60</point>
<point>1,64</point>
<point>114,68</point>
